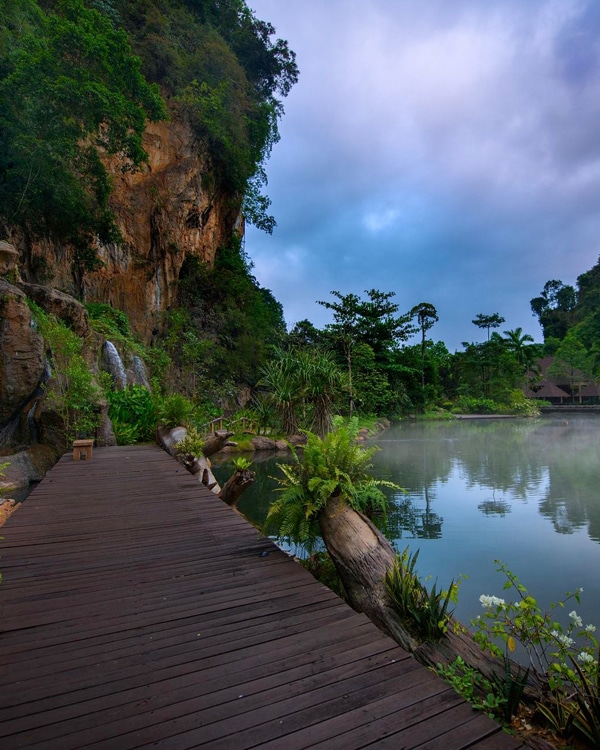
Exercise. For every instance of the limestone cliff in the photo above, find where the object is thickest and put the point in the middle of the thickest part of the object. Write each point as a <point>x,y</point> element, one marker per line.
<point>167,210</point>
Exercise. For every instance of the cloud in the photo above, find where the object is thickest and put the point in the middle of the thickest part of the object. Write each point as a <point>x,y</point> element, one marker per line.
<point>448,152</point>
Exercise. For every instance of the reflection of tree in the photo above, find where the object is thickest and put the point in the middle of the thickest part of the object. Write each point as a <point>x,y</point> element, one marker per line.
<point>409,519</point>
<point>515,458</point>
<point>571,498</point>
<point>494,507</point>
<point>500,459</point>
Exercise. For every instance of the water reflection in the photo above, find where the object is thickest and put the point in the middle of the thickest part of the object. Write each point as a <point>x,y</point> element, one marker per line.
<point>551,460</point>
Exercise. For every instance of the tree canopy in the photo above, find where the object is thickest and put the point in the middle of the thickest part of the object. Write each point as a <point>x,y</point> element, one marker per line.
<point>71,89</point>
<point>79,79</point>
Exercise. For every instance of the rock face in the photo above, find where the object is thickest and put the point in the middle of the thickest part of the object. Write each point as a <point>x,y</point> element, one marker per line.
<point>22,360</point>
<point>62,305</point>
<point>166,211</point>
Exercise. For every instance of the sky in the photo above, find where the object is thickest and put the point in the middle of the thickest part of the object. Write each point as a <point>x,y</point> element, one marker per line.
<point>448,152</point>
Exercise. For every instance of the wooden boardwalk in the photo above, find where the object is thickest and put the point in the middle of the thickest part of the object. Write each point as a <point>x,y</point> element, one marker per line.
<point>138,611</point>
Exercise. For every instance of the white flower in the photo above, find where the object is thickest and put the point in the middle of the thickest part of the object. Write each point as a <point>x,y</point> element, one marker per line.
<point>491,601</point>
<point>590,628</point>
<point>577,621</point>
<point>565,641</point>
<point>585,658</point>
<point>554,633</point>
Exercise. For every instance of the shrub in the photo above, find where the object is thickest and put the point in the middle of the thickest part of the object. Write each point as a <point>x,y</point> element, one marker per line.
<point>425,612</point>
<point>471,405</point>
<point>563,659</point>
<point>134,412</point>
<point>175,410</point>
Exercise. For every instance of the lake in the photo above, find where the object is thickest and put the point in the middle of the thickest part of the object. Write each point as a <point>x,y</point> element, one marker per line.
<point>524,491</point>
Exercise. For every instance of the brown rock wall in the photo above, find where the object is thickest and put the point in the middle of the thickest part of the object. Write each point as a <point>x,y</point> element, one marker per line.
<point>166,210</point>
<point>22,360</point>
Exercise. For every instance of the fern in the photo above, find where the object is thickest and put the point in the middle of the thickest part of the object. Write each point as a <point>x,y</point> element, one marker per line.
<point>331,466</point>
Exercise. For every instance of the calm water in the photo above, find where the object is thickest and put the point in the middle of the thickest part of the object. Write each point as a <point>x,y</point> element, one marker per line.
<point>526,492</point>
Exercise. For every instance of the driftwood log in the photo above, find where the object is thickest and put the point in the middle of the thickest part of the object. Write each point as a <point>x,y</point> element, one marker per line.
<point>217,442</point>
<point>240,480</point>
<point>236,485</point>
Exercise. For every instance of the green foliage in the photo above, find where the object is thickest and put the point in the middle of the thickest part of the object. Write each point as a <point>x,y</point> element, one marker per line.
<point>241,463</point>
<point>585,710</point>
<point>107,320</point>
<point>574,696</point>
<point>426,612</point>
<point>70,90</point>
<point>333,466</point>
<point>192,442</point>
<point>471,405</point>
<point>370,323</point>
<point>71,391</point>
<point>555,308</point>
<point>304,387</point>
<point>175,410</point>
<point>468,682</point>
<point>227,322</point>
<point>133,413</point>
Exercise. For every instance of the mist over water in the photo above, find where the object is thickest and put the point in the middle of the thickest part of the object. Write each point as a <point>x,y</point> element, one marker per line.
<point>526,492</point>
<point>523,491</point>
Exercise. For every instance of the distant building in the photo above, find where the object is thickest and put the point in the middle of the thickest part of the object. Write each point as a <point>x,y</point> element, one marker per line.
<point>572,386</point>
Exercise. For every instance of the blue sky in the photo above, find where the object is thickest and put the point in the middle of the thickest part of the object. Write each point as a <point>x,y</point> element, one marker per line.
<point>445,151</point>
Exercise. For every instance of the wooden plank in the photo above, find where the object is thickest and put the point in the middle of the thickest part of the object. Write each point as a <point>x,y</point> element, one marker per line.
<point>137,610</point>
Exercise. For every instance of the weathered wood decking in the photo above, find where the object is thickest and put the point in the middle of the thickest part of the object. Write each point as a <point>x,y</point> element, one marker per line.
<point>138,610</point>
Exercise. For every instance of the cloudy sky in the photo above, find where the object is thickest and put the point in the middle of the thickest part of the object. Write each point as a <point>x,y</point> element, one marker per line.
<point>446,151</point>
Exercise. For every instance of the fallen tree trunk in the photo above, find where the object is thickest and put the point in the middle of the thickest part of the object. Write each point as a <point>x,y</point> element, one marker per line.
<point>362,556</point>
<point>240,480</point>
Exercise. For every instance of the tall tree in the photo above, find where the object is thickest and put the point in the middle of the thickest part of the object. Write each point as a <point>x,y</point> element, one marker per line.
<point>573,363</point>
<point>554,308</point>
<point>516,341</point>
<point>488,321</point>
<point>426,316</point>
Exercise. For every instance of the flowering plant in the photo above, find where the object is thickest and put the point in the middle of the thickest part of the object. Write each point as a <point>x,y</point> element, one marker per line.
<point>548,644</point>
<point>563,659</point>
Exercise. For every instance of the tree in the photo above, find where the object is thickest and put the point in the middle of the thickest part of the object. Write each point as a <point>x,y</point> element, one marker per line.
<point>344,329</point>
<point>304,386</point>
<point>572,363</point>
<point>372,322</point>
<point>554,308</point>
<point>515,342</point>
<point>488,321</point>
<point>71,91</point>
<point>426,316</point>
<point>326,492</point>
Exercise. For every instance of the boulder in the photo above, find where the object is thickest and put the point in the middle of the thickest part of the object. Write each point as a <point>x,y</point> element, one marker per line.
<point>22,357</point>
<point>62,305</point>
<point>27,466</point>
<point>296,439</point>
<point>9,261</point>
<point>261,443</point>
